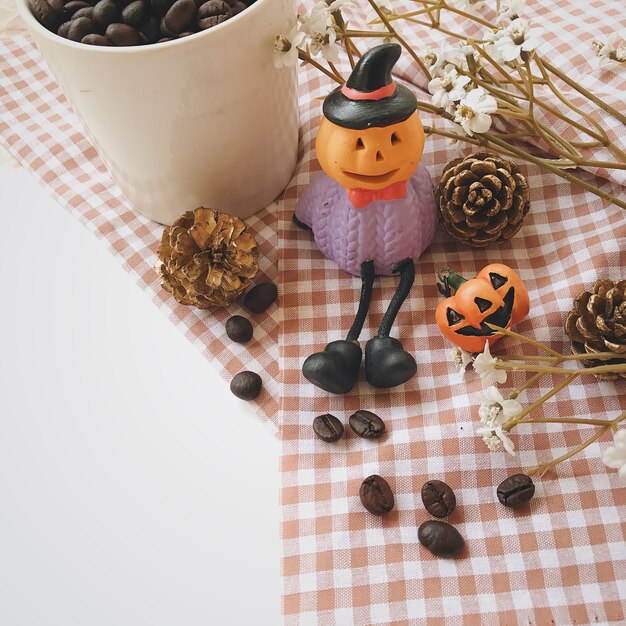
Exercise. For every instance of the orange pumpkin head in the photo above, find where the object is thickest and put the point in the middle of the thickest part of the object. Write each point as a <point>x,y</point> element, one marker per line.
<point>371,158</point>
<point>496,296</point>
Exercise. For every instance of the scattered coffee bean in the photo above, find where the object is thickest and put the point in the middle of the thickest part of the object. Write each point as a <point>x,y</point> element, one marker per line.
<point>133,13</point>
<point>376,495</point>
<point>260,297</point>
<point>95,40</point>
<point>105,13</point>
<point>440,538</point>
<point>122,35</point>
<point>328,428</point>
<point>516,490</point>
<point>239,329</point>
<point>80,27</point>
<point>246,385</point>
<point>367,424</point>
<point>44,14</point>
<point>180,16</point>
<point>438,498</point>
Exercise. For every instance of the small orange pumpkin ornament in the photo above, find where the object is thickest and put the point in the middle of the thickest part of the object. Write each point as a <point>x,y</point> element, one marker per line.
<point>496,296</point>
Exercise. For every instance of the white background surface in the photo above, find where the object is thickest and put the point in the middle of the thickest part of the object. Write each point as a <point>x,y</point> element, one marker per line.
<point>134,488</point>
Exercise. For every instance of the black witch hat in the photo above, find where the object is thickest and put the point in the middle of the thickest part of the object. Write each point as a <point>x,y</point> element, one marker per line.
<point>371,97</point>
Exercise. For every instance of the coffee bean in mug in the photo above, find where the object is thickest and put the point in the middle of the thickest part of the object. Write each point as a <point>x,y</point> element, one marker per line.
<point>212,8</point>
<point>438,498</point>
<point>84,12</point>
<point>180,16</point>
<point>246,385</point>
<point>133,13</point>
<point>71,8</point>
<point>367,424</point>
<point>328,428</point>
<point>104,13</point>
<point>516,490</point>
<point>123,35</point>
<point>440,538</point>
<point>94,39</point>
<point>260,297</point>
<point>44,14</point>
<point>376,495</point>
<point>80,27</point>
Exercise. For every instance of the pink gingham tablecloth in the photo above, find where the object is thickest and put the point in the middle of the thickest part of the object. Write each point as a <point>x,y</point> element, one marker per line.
<point>563,561</point>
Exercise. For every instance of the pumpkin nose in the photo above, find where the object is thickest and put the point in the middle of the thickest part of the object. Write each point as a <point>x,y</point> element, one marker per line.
<point>379,156</point>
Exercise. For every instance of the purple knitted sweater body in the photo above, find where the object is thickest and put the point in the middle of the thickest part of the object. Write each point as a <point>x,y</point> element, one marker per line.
<point>385,231</point>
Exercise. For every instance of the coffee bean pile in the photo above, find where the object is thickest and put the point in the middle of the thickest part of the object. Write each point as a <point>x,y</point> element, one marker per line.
<point>132,22</point>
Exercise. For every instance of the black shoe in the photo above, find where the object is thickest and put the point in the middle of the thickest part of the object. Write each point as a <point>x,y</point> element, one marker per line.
<point>336,369</point>
<point>387,364</point>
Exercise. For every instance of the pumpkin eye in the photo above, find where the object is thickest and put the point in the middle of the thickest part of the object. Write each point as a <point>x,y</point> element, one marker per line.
<point>359,144</point>
<point>482,304</point>
<point>453,317</point>
<point>394,139</point>
<point>496,280</point>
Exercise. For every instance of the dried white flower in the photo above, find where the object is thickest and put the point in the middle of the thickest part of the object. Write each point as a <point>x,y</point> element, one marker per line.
<point>446,55</point>
<point>473,112</point>
<point>484,364</point>
<point>510,9</point>
<point>318,26</point>
<point>606,49</point>
<point>447,88</point>
<point>615,456</point>
<point>496,437</point>
<point>461,358</point>
<point>516,38</point>
<point>286,48</point>
<point>495,410</point>
<point>494,414</point>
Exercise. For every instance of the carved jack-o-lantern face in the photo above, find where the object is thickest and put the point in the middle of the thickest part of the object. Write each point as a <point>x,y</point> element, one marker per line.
<point>372,158</point>
<point>496,296</point>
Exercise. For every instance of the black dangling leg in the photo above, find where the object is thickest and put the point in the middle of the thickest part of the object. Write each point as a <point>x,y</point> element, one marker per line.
<point>367,278</point>
<point>387,364</point>
<point>336,368</point>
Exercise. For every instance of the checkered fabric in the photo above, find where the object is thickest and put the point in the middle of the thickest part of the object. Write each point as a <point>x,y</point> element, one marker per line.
<point>563,560</point>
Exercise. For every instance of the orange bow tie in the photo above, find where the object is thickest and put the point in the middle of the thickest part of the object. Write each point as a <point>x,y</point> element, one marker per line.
<point>360,198</point>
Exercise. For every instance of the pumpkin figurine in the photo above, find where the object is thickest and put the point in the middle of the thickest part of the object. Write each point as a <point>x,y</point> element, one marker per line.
<point>497,296</point>
<point>371,210</point>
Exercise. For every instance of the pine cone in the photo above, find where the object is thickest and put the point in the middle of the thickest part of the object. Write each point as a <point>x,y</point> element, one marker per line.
<point>482,199</point>
<point>597,323</point>
<point>206,258</point>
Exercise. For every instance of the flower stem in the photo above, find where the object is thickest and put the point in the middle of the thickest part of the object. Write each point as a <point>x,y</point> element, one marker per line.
<point>532,342</point>
<point>542,468</point>
<point>518,419</point>
<point>547,369</point>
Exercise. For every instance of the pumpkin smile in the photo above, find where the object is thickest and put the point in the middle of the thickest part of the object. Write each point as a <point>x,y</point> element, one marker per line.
<point>364,178</point>
<point>500,317</point>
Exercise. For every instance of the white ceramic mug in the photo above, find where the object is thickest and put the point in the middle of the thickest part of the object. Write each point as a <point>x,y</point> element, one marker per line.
<point>203,120</point>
